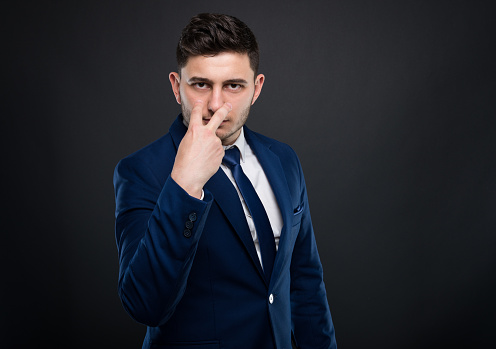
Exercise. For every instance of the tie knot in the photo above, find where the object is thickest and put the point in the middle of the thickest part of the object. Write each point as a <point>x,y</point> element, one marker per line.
<point>231,157</point>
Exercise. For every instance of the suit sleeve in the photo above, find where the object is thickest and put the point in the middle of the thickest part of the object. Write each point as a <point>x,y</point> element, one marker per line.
<point>310,314</point>
<point>156,248</point>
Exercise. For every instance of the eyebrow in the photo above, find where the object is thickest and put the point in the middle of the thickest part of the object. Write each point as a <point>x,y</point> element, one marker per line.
<point>195,79</point>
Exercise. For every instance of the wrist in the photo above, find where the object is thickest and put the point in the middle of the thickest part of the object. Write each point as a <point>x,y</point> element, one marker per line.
<point>192,189</point>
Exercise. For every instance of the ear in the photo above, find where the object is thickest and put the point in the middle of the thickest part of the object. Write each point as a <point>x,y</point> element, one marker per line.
<point>175,80</point>
<point>259,81</point>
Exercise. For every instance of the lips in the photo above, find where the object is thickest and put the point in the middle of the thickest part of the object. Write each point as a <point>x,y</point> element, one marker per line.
<point>208,120</point>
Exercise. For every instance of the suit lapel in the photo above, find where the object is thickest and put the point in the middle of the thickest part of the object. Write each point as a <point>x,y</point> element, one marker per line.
<point>177,131</point>
<point>272,167</point>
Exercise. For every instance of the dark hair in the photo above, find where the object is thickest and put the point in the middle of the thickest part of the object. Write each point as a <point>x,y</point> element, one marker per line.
<point>209,34</point>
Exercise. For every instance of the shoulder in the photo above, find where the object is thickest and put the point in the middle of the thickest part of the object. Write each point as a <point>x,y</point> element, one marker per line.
<point>162,151</point>
<point>156,157</point>
<point>284,151</point>
<point>156,149</point>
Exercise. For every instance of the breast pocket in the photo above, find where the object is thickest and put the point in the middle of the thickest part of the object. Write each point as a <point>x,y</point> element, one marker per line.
<point>297,214</point>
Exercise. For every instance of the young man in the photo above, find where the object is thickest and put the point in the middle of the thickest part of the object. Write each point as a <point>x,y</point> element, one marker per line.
<point>216,245</point>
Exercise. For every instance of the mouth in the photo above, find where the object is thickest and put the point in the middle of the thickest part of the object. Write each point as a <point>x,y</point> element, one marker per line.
<point>207,120</point>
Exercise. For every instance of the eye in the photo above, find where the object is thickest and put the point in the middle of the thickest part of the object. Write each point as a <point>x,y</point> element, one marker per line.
<point>234,87</point>
<point>200,85</point>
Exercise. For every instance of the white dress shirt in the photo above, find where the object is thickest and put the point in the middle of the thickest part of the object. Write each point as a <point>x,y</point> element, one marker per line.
<point>254,171</point>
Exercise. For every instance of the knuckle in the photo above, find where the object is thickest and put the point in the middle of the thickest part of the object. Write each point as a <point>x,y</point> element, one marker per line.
<point>194,128</point>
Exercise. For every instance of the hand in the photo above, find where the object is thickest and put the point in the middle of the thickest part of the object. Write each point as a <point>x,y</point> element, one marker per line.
<point>200,152</point>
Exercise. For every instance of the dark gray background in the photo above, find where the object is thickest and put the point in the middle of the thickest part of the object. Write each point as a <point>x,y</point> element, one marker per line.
<point>389,104</point>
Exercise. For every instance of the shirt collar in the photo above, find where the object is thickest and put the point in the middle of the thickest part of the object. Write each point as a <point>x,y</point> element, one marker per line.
<point>240,143</point>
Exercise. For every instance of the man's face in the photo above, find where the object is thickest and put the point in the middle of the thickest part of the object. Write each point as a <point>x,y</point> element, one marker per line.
<point>225,77</point>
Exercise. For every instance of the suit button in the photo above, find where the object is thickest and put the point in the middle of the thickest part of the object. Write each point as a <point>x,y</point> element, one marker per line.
<point>192,216</point>
<point>187,233</point>
<point>189,225</point>
<point>271,298</point>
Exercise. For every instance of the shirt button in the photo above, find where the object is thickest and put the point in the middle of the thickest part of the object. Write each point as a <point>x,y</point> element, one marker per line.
<point>187,233</point>
<point>192,216</point>
<point>271,298</point>
<point>189,225</point>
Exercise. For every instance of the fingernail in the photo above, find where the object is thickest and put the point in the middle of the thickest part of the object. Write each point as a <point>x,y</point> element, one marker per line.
<point>229,105</point>
<point>198,101</point>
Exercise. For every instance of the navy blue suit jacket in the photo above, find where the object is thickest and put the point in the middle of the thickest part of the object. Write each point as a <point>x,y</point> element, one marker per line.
<point>189,269</point>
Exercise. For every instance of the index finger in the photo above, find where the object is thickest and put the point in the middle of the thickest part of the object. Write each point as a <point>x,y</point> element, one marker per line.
<point>219,116</point>
<point>196,113</point>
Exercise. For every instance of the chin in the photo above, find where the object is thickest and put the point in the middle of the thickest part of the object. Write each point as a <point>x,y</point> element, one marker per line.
<point>221,135</point>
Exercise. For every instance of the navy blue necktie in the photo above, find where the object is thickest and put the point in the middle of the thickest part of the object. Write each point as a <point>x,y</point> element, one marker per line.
<point>257,211</point>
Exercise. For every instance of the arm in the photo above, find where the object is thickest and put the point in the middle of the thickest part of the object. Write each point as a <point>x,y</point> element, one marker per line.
<point>310,314</point>
<point>155,251</point>
<point>155,256</point>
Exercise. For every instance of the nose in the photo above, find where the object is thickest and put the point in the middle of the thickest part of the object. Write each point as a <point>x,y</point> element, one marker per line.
<point>216,100</point>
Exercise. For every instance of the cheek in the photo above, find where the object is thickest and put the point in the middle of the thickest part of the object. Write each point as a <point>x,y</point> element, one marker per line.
<point>239,101</point>
<point>244,103</point>
<point>186,93</point>
<point>189,96</point>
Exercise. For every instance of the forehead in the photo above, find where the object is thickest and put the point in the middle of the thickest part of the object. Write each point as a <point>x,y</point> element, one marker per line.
<point>222,66</point>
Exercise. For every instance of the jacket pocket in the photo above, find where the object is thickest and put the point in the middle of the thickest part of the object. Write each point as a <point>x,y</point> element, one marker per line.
<point>298,209</point>
<point>297,214</point>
